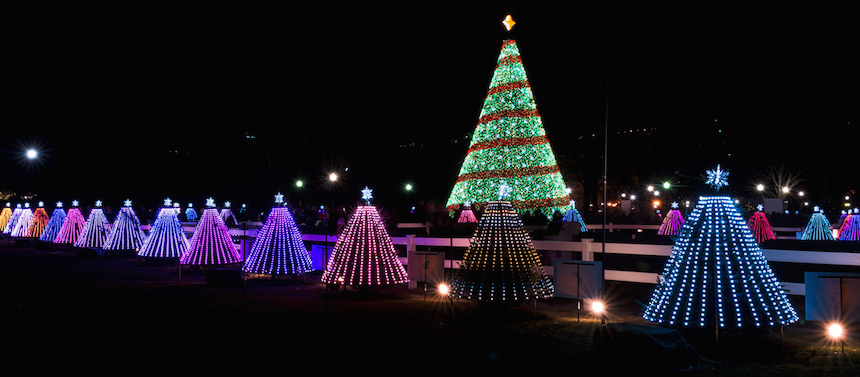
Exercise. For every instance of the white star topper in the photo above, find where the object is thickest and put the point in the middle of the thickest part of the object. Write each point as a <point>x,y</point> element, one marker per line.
<point>367,194</point>
<point>279,198</point>
<point>504,191</point>
<point>717,178</point>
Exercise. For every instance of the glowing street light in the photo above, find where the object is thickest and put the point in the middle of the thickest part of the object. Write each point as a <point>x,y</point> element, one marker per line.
<point>31,153</point>
<point>666,185</point>
<point>299,183</point>
<point>408,187</point>
<point>759,187</point>
<point>332,177</point>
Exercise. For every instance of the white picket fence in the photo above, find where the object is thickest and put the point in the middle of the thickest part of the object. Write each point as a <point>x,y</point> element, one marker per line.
<point>586,249</point>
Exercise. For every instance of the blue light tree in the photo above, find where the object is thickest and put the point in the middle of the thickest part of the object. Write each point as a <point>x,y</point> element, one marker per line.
<point>278,248</point>
<point>166,238</point>
<point>818,228</point>
<point>717,274</point>
<point>54,224</point>
<point>573,216</point>
<point>126,233</point>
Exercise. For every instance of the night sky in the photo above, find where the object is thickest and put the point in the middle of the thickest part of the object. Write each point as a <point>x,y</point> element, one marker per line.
<point>147,103</point>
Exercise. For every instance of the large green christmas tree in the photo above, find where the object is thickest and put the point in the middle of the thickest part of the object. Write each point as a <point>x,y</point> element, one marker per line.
<point>509,146</point>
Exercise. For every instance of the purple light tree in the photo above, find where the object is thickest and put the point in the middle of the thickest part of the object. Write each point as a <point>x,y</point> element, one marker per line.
<point>363,255</point>
<point>72,227</point>
<point>278,248</point>
<point>211,243</point>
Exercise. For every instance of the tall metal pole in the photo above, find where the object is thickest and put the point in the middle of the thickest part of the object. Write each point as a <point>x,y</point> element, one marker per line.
<point>605,163</point>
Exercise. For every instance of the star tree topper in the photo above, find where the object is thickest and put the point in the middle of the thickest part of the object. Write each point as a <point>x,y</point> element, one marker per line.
<point>509,22</point>
<point>717,178</point>
<point>367,194</point>
<point>210,202</point>
<point>279,198</point>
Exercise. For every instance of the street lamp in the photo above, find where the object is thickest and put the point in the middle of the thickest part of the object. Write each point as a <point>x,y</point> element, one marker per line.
<point>332,177</point>
<point>31,154</point>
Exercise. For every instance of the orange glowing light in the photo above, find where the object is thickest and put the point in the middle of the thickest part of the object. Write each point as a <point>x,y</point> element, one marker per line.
<point>509,22</point>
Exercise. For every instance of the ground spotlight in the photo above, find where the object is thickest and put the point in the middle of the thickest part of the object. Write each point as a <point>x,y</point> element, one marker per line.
<point>597,307</point>
<point>835,331</point>
<point>443,288</point>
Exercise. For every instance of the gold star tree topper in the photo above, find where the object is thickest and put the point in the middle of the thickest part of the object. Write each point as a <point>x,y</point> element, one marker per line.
<point>508,22</point>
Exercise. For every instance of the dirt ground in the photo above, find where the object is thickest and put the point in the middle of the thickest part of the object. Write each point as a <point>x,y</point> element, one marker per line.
<point>64,311</point>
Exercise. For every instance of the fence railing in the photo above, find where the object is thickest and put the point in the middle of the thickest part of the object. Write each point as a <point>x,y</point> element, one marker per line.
<point>587,248</point>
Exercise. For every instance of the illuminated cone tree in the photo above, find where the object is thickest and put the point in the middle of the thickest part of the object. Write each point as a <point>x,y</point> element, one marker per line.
<point>363,255</point>
<point>13,218</point>
<point>125,233</point>
<point>95,229</point>
<point>278,248</point>
<point>54,224</point>
<point>166,238</point>
<point>501,264</point>
<point>190,213</point>
<point>211,244</point>
<point>716,274</point>
<point>510,146</point>
<point>850,228</point>
<point>573,216</point>
<point>37,223</point>
<point>73,224</point>
<point>672,223</point>
<point>466,214</point>
<point>818,228</point>
<point>760,227</point>
<point>5,215</point>
<point>19,228</point>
